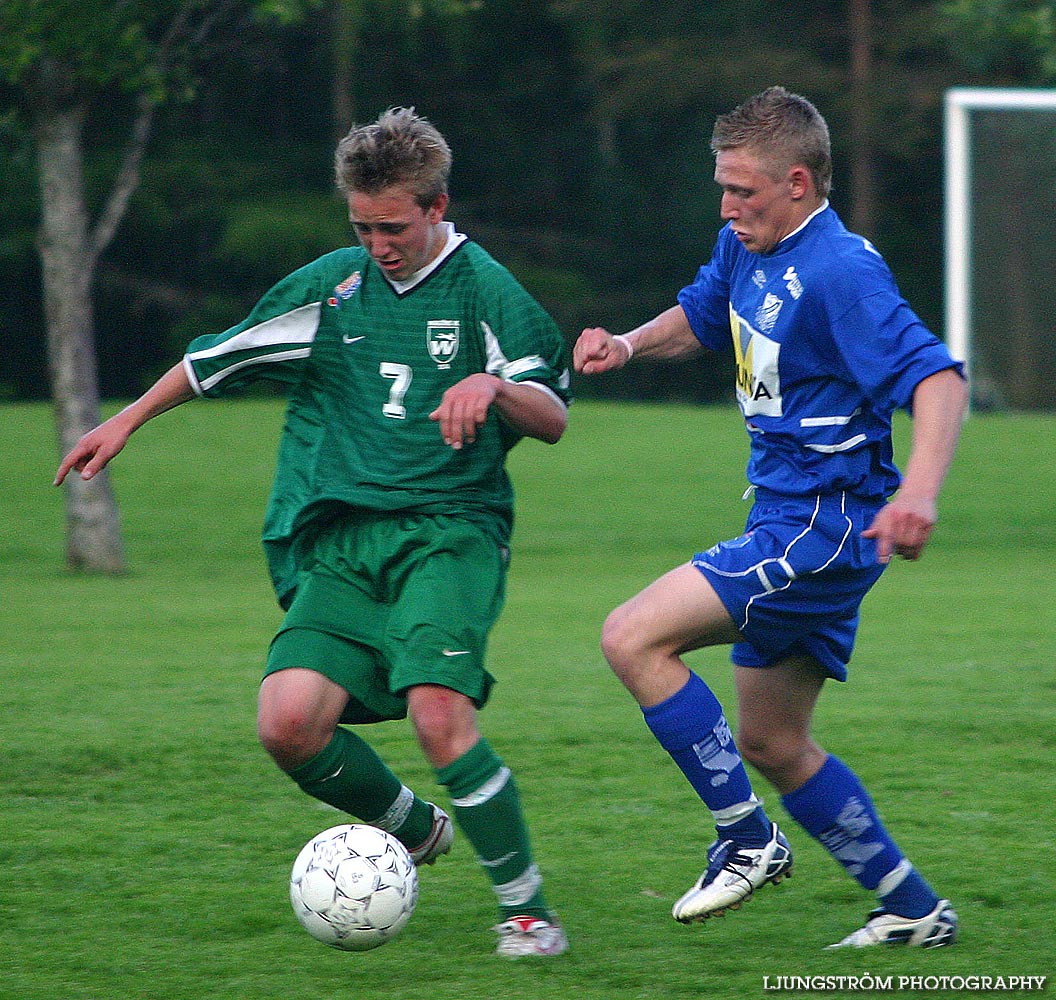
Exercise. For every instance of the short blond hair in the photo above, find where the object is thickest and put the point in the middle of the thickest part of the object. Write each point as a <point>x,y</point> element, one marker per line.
<point>399,149</point>
<point>783,130</point>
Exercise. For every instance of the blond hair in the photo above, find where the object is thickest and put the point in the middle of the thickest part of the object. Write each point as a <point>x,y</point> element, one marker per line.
<point>783,130</point>
<point>400,148</point>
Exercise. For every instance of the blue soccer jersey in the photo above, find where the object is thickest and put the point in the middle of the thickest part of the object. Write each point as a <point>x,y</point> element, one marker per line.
<point>826,349</point>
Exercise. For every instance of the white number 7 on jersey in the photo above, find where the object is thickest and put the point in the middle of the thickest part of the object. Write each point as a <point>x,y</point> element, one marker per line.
<point>401,376</point>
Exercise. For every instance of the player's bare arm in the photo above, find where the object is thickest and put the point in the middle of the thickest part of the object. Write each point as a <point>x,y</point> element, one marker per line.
<point>663,338</point>
<point>904,525</point>
<point>529,409</point>
<point>96,448</point>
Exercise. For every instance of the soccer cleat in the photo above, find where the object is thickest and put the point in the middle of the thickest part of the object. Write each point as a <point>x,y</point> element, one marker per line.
<point>530,936</point>
<point>935,930</point>
<point>733,874</point>
<point>439,841</point>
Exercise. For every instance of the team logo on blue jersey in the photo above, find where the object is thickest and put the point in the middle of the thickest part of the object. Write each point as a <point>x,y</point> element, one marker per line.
<point>441,337</point>
<point>792,283</point>
<point>766,315</point>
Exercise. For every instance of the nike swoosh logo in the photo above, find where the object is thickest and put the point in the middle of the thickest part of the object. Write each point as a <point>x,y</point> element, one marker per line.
<point>455,652</point>
<point>351,340</point>
<point>499,861</point>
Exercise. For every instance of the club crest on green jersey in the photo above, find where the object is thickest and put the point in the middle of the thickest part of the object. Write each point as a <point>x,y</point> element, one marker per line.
<point>442,340</point>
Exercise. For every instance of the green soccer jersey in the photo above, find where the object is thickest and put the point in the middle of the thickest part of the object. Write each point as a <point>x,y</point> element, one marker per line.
<point>365,361</point>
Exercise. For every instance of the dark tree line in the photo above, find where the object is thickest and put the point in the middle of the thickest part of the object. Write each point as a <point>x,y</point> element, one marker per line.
<point>579,132</point>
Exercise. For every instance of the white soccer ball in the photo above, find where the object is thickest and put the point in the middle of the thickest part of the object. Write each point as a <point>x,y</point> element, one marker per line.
<point>354,887</point>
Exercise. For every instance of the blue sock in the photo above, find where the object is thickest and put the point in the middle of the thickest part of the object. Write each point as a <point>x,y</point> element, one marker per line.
<point>835,809</point>
<point>691,727</point>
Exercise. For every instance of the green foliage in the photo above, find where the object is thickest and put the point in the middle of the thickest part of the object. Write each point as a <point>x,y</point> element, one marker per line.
<point>579,132</point>
<point>147,839</point>
<point>270,236</point>
<point>140,47</point>
<point>97,44</point>
<point>1015,39</point>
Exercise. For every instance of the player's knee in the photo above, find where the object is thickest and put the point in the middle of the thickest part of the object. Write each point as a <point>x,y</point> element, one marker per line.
<point>444,722</point>
<point>622,645</point>
<point>290,737</point>
<point>775,755</point>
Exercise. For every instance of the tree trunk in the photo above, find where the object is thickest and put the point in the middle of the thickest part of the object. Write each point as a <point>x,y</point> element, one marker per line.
<point>93,533</point>
<point>863,179</point>
<point>346,16</point>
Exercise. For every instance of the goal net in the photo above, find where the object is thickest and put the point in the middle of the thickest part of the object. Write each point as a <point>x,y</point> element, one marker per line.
<point>1000,221</point>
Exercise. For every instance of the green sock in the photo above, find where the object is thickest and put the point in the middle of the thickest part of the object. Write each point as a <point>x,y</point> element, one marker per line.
<point>350,776</point>
<point>488,810</point>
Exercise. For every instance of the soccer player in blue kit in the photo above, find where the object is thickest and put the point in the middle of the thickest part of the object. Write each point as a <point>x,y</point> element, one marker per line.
<point>826,349</point>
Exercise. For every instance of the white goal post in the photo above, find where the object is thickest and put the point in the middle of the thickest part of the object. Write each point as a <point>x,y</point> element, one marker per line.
<point>960,102</point>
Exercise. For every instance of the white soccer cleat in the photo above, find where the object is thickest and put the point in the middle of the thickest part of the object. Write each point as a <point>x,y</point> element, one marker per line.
<point>733,874</point>
<point>439,841</point>
<point>935,930</point>
<point>530,936</point>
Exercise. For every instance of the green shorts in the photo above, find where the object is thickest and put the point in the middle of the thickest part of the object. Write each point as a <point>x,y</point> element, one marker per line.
<point>395,601</point>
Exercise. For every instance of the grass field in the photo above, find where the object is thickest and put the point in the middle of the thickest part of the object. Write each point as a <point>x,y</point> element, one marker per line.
<point>146,840</point>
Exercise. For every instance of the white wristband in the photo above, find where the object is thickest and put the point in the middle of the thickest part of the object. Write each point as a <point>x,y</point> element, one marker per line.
<point>623,339</point>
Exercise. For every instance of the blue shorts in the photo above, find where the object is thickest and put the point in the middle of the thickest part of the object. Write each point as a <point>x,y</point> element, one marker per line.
<point>794,581</point>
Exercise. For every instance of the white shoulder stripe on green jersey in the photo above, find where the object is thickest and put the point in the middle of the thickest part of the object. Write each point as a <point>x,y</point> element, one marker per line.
<point>262,359</point>
<point>499,364</point>
<point>296,327</point>
<point>532,363</point>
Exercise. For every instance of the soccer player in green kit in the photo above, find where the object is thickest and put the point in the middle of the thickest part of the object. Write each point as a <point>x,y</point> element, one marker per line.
<point>413,363</point>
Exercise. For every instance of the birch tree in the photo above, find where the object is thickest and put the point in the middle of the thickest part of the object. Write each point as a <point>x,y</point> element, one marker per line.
<point>62,57</point>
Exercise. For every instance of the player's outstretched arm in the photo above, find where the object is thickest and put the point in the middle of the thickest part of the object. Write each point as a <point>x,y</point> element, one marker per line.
<point>663,338</point>
<point>92,453</point>
<point>598,351</point>
<point>903,526</point>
